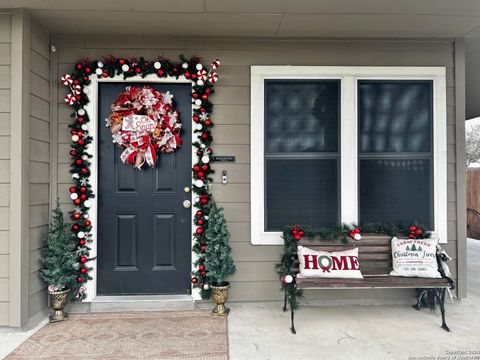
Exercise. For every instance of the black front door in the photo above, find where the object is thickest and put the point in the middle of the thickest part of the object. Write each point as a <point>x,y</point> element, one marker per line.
<point>144,232</point>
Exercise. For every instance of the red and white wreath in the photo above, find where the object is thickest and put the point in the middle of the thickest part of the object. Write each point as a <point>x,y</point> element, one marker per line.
<point>143,122</point>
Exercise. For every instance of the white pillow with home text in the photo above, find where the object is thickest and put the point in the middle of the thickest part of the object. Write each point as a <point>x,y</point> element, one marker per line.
<point>323,264</point>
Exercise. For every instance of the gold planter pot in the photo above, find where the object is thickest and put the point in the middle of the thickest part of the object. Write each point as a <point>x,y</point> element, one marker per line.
<point>220,296</point>
<point>58,300</point>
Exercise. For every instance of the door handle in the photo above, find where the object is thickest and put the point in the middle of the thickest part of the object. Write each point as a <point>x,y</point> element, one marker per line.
<point>187,204</point>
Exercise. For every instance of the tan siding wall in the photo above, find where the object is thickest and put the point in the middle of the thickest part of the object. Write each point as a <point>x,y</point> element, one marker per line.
<point>255,278</point>
<point>5,84</point>
<point>39,194</point>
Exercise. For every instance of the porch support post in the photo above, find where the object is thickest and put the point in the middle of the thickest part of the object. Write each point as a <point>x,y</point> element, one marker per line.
<point>19,168</point>
<point>461,210</point>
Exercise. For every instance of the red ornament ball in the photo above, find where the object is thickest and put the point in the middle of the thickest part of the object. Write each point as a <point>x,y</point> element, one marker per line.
<point>83,270</point>
<point>208,91</point>
<point>121,61</point>
<point>204,136</point>
<point>208,122</point>
<point>76,216</point>
<point>418,231</point>
<point>80,280</point>
<point>199,213</point>
<point>75,227</point>
<point>83,259</point>
<point>83,189</point>
<point>73,153</point>
<point>411,236</point>
<point>196,118</point>
<point>105,74</point>
<point>160,72</point>
<point>195,95</point>
<point>80,119</point>
<point>201,174</point>
<point>203,247</point>
<point>199,222</point>
<point>196,168</point>
<point>79,66</point>
<point>301,233</point>
<point>187,75</point>
<point>199,231</point>
<point>137,70</point>
<point>88,223</point>
<point>84,197</point>
<point>82,242</point>
<point>84,171</point>
<point>204,167</point>
<point>79,161</point>
<point>204,97</point>
<point>204,273</point>
<point>194,280</point>
<point>413,228</point>
<point>88,70</point>
<point>201,267</point>
<point>72,189</point>
<point>77,201</point>
<point>80,142</point>
<point>203,200</point>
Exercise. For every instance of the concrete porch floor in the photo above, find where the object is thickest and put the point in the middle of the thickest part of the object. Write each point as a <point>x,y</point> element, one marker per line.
<point>261,330</point>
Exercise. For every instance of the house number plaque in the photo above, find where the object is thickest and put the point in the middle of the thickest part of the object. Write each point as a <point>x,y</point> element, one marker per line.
<point>224,158</point>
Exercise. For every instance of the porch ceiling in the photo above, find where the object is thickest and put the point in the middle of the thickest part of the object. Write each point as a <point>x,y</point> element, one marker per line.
<point>264,18</point>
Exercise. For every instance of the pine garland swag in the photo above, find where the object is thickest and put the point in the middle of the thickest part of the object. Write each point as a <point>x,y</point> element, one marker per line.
<point>82,193</point>
<point>293,233</point>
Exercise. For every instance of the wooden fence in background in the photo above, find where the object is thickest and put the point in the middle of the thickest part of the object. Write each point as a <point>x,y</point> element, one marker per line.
<point>473,188</point>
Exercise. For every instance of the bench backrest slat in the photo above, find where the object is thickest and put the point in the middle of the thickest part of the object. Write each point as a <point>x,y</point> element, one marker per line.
<point>375,254</point>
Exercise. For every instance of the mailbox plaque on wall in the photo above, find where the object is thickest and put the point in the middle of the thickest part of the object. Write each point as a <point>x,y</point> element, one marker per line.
<point>224,158</point>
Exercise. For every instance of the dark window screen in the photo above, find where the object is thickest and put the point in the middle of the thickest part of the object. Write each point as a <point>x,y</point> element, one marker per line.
<point>301,152</point>
<point>395,151</point>
<point>302,116</point>
<point>301,191</point>
<point>395,116</point>
<point>395,191</point>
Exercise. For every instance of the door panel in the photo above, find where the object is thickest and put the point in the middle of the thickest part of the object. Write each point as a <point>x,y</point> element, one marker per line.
<point>144,232</point>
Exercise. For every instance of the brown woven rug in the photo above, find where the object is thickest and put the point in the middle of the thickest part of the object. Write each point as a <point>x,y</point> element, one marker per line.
<point>142,335</point>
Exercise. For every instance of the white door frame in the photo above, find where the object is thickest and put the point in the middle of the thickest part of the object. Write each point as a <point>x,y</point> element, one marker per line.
<point>93,125</point>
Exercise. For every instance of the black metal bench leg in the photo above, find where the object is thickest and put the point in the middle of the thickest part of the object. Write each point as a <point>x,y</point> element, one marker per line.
<point>442,309</point>
<point>285,301</point>
<point>420,296</point>
<point>292,329</point>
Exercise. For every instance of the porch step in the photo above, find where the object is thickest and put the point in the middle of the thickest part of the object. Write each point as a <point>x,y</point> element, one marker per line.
<point>142,303</point>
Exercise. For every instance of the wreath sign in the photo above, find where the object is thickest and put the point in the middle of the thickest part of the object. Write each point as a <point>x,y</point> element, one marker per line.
<point>143,122</point>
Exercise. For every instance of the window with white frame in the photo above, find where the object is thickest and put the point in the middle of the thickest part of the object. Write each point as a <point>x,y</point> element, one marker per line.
<point>335,145</point>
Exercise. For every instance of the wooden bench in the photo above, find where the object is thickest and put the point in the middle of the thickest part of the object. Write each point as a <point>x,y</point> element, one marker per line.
<point>375,258</point>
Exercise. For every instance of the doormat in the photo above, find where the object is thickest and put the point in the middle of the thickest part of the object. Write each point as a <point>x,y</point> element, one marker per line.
<point>132,335</point>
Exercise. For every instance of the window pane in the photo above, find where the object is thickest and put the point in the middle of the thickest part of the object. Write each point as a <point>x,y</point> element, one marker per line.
<point>395,116</point>
<point>396,191</point>
<point>301,116</point>
<point>301,191</point>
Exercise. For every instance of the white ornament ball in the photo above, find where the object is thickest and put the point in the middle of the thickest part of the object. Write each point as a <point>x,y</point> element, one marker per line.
<point>199,127</point>
<point>75,138</point>
<point>100,64</point>
<point>357,237</point>
<point>84,157</point>
<point>81,112</point>
<point>87,203</point>
<point>206,287</point>
<point>198,183</point>
<point>75,176</point>
<point>198,102</point>
<point>199,66</point>
<point>73,196</point>
<point>80,234</point>
<point>196,200</point>
<point>86,90</point>
<point>84,127</point>
<point>125,67</point>
<point>185,65</point>
<point>199,82</point>
<point>206,217</point>
<point>205,159</point>
<point>98,71</point>
<point>203,146</point>
<point>287,279</point>
<point>86,216</point>
<point>157,65</point>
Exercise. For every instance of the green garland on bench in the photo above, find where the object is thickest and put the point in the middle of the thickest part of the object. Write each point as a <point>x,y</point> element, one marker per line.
<point>293,233</point>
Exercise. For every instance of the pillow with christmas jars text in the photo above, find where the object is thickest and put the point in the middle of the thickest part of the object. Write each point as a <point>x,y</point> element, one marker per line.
<point>415,258</point>
<point>322,264</point>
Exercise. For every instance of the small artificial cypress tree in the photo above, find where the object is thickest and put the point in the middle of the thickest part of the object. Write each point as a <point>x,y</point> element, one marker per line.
<point>218,255</point>
<point>58,257</point>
